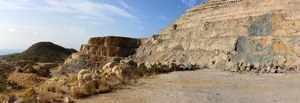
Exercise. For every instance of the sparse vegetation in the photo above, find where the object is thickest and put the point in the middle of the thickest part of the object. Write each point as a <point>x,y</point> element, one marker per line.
<point>90,88</point>
<point>4,83</point>
<point>27,96</point>
<point>43,52</point>
<point>20,70</point>
<point>77,92</point>
<point>43,97</point>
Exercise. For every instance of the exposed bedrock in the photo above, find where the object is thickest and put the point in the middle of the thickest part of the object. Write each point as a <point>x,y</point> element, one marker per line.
<point>98,52</point>
<point>234,35</point>
<point>222,32</point>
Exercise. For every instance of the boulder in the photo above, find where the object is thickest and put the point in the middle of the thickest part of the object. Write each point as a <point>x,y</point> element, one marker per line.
<point>148,66</point>
<point>257,65</point>
<point>129,62</point>
<point>20,100</point>
<point>172,66</point>
<point>279,70</point>
<point>235,68</point>
<point>248,69</point>
<point>268,69</point>
<point>110,65</point>
<point>271,64</point>
<point>242,68</point>
<point>85,76</point>
<point>28,69</point>
<point>230,65</point>
<point>11,99</point>
<point>117,70</point>
<point>264,70</point>
<point>186,66</point>
<point>5,101</point>
<point>273,70</point>
<point>67,100</point>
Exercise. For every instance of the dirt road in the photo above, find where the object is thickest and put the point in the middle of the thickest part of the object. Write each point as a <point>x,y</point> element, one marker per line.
<point>207,86</point>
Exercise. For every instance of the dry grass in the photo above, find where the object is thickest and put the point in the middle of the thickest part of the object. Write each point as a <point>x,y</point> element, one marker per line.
<point>51,87</point>
<point>58,89</point>
<point>103,89</point>
<point>77,92</point>
<point>44,97</point>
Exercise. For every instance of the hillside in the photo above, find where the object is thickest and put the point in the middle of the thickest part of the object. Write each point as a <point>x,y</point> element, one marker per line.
<point>3,56</point>
<point>43,52</point>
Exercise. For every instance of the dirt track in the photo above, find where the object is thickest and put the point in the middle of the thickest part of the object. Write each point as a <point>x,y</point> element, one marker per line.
<point>208,86</point>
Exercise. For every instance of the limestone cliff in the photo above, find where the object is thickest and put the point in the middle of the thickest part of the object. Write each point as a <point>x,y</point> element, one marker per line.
<point>99,51</point>
<point>219,31</point>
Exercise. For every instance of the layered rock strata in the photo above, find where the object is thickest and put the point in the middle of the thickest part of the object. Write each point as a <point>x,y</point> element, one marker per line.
<point>222,32</point>
<point>99,51</point>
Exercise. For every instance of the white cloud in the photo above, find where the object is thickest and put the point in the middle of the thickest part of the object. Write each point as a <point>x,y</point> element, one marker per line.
<point>97,23</point>
<point>84,8</point>
<point>124,4</point>
<point>190,3</point>
<point>162,17</point>
<point>11,30</point>
<point>25,36</point>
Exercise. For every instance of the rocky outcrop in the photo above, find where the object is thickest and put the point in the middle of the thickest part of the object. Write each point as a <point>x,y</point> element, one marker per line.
<point>219,33</point>
<point>99,51</point>
<point>85,76</point>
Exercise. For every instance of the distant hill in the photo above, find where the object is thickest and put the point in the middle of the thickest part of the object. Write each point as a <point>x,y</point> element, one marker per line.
<point>72,50</point>
<point>43,52</point>
<point>3,56</point>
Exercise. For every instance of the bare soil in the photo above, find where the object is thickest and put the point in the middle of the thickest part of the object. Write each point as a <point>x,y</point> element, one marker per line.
<point>26,79</point>
<point>207,86</point>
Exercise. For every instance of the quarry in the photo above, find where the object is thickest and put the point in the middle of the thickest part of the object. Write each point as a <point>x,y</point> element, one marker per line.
<point>221,51</point>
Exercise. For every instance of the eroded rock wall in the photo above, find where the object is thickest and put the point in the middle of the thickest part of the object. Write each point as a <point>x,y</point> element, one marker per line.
<point>99,51</point>
<point>221,31</point>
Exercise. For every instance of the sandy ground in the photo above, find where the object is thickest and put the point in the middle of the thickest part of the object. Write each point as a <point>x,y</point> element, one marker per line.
<point>207,86</point>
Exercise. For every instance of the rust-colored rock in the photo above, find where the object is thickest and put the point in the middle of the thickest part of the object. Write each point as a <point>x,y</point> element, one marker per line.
<point>115,41</point>
<point>99,51</point>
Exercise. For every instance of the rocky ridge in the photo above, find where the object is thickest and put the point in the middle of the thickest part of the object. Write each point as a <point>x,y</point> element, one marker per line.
<point>223,33</point>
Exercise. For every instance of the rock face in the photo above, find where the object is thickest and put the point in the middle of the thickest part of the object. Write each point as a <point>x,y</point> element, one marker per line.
<point>99,51</point>
<point>217,32</point>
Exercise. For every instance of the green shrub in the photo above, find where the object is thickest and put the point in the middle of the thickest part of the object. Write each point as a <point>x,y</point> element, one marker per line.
<point>27,98</point>
<point>90,87</point>
<point>20,70</point>
<point>2,88</point>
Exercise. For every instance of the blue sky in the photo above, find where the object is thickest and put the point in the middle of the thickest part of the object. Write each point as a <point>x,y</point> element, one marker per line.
<point>70,23</point>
